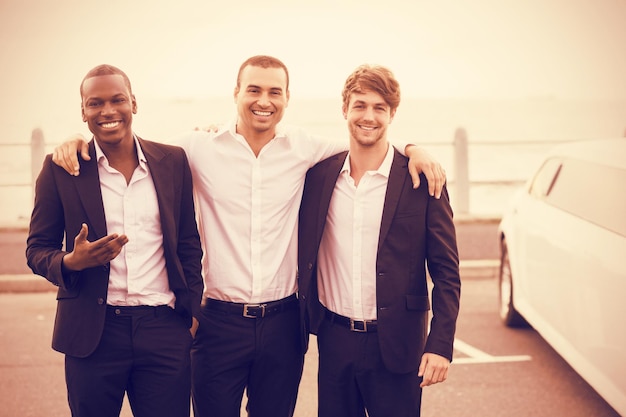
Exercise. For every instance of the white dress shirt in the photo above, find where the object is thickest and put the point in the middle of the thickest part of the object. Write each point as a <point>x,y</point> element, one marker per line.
<point>248,209</point>
<point>349,246</point>
<point>137,275</point>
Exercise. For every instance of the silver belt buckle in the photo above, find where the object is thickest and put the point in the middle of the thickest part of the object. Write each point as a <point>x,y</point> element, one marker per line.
<point>248,315</point>
<point>354,329</point>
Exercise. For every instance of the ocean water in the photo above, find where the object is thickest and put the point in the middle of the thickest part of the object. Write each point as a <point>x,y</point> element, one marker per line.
<point>507,138</point>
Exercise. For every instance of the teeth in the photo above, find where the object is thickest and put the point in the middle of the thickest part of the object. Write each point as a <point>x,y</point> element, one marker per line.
<point>367,127</point>
<point>262,113</point>
<point>110,125</point>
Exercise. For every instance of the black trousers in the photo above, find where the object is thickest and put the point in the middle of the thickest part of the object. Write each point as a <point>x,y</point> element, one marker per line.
<point>231,353</point>
<point>144,352</point>
<point>353,378</point>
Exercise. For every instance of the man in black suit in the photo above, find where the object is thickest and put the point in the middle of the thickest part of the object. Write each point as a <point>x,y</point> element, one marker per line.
<point>129,278</point>
<point>365,238</point>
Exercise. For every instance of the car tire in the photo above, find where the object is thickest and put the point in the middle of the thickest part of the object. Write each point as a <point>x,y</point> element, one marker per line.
<point>508,314</point>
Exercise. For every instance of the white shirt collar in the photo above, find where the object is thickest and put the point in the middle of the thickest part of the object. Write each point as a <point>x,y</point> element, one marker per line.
<point>140,155</point>
<point>231,129</point>
<point>384,169</point>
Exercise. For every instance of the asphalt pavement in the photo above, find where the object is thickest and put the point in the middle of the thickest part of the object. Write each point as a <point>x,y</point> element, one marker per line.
<point>32,383</point>
<point>497,371</point>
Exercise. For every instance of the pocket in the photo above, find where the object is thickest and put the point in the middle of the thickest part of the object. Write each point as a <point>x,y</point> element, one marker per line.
<point>63,293</point>
<point>406,214</point>
<point>417,302</point>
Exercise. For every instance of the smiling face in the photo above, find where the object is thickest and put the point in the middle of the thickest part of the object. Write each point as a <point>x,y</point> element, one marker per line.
<point>368,116</point>
<point>261,99</point>
<point>108,107</point>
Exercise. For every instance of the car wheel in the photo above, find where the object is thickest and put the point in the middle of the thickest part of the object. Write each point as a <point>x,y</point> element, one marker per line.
<point>508,314</point>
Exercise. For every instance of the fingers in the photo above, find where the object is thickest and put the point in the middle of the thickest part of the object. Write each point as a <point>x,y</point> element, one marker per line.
<point>108,248</point>
<point>90,254</point>
<point>433,369</point>
<point>84,151</point>
<point>212,128</point>
<point>436,177</point>
<point>415,176</point>
<point>82,234</point>
<point>66,154</point>
<point>194,327</point>
<point>61,156</point>
<point>421,161</point>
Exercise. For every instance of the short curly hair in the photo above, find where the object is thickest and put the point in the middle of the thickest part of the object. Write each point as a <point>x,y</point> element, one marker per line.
<point>105,69</point>
<point>263,61</point>
<point>373,78</point>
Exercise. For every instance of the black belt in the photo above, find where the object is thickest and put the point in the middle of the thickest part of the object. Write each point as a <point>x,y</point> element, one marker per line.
<point>367,326</point>
<point>142,310</point>
<point>253,311</point>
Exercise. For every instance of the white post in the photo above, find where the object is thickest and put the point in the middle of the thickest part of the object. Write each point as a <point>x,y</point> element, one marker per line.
<point>37,154</point>
<point>461,166</point>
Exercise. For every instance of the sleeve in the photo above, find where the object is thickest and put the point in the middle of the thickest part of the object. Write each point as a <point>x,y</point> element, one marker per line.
<point>443,267</point>
<point>401,144</point>
<point>44,244</point>
<point>189,247</point>
<point>316,148</point>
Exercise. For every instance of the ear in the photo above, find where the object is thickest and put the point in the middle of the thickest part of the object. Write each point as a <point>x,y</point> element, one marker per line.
<point>393,113</point>
<point>344,110</point>
<point>235,93</point>
<point>134,103</point>
<point>82,112</point>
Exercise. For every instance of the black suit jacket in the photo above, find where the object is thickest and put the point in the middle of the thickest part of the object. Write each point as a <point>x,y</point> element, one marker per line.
<point>63,202</point>
<point>416,230</point>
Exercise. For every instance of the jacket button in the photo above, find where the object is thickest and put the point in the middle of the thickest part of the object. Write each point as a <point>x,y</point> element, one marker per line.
<point>100,301</point>
<point>309,265</point>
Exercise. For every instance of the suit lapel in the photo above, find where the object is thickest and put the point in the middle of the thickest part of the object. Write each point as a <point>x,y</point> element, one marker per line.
<point>334,167</point>
<point>161,169</point>
<point>397,177</point>
<point>90,194</point>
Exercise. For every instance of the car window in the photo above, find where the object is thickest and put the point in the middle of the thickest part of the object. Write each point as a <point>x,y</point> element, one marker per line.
<point>594,192</point>
<point>544,178</point>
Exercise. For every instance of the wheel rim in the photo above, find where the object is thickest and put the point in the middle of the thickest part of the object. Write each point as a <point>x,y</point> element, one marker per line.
<point>506,291</point>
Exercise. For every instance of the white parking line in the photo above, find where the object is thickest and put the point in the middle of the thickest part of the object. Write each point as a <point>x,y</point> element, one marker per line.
<point>478,356</point>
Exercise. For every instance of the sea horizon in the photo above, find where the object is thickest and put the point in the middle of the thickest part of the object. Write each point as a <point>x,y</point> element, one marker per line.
<point>506,137</point>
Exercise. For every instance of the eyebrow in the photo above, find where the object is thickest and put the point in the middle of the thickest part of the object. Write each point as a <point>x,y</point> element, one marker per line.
<point>379,103</point>
<point>101,98</point>
<point>261,88</point>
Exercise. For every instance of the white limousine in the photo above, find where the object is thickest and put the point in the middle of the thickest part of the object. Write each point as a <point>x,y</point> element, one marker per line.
<point>563,260</point>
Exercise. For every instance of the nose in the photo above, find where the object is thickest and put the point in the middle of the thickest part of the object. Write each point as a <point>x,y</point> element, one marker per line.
<point>264,100</point>
<point>108,108</point>
<point>369,113</point>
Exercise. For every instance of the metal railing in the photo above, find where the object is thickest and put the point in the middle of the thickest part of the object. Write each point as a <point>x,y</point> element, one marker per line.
<point>460,144</point>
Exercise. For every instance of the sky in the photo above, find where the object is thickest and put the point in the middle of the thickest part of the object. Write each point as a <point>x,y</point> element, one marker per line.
<point>476,49</point>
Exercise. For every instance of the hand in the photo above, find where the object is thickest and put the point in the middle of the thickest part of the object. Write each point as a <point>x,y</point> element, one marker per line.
<point>211,128</point>
<point>65,155</point>
<point>89,254</point>
<point>433,369</point>
<point>421,161</point>
<point>194,327</point>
